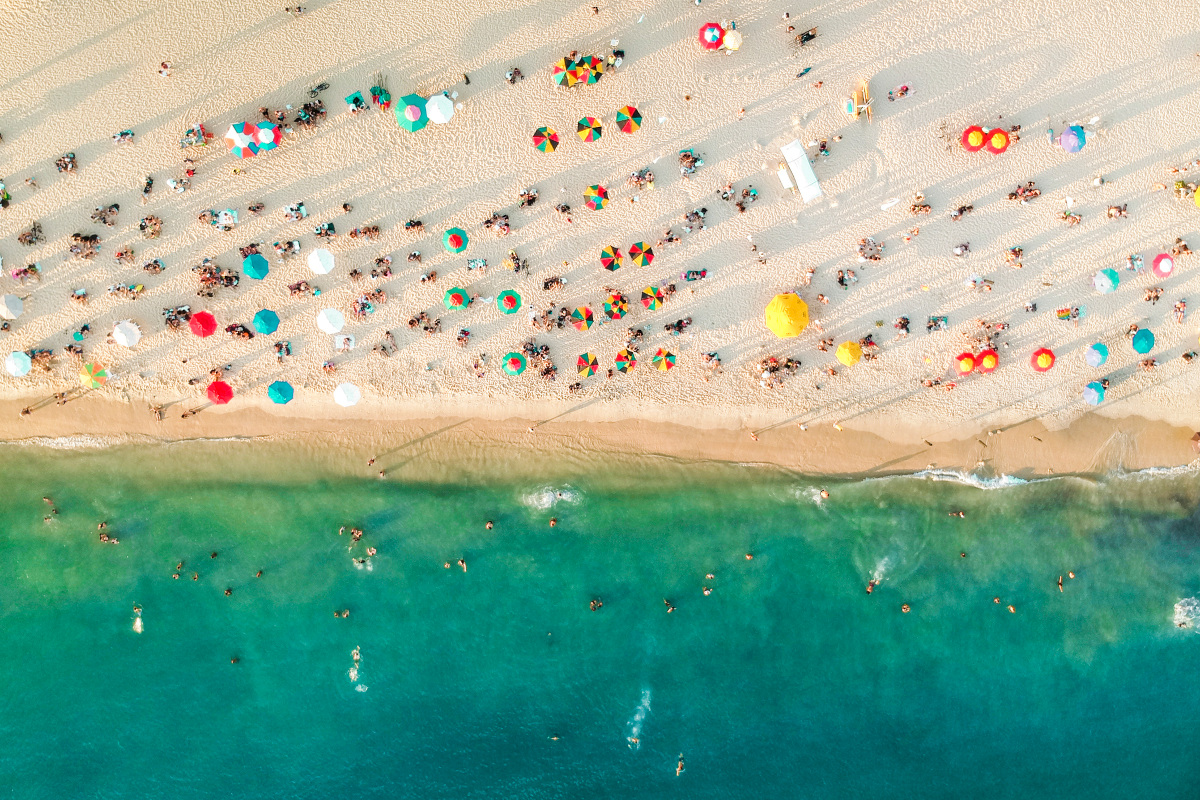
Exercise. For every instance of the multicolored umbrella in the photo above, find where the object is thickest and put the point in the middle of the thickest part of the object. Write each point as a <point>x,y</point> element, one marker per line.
<point>973,139</point>
<point>663,360</point>
<point>582,318</point>
<point>545,139</point>
<point>219,392</point>
<point>997,141</point>
<point>563,72</point>
<point>240,138</point>
<point>266,321</point>
<point>455,298</point>
<point>652,298</point>
<point>18,363</point>
<point>508,301</point>
<point>583,72</point>
<point>1072,139</point>
<point>629,119</point>
<point>595,66</point>
<point>711,35</point>
<point>1042,359</point>
<point>203,324</point>
<point>455,240</point>
<point>987,361</point>
<point>626,360</point>
<point>410,113</point>
<point>281,392</point>
<point>641,254</point>
<point>1096,355</point>
<point>1143,341</point>
<point>595,197</point>
<point>1093,393</point>
<point>346,395</point>
<point>587,364</point>
<point>849,353</point>
<point>514,363</point>
<point>964,363</point>
<point>610,258</point>
<point>268,136</point>
<point>786,315</point>
<point>256,266</point>
<point>589,129</point>
<point>1106,281</point>
<point>616,306</point>
<point>1163,265</point>
<point>92,376</point>
<point>439,108</point>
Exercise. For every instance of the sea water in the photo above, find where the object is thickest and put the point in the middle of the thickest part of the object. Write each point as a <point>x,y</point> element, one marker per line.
<point>787,680</point>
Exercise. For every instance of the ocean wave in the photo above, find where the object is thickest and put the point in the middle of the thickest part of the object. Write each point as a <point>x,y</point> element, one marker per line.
<point>1153,473</point>
<point>549,496</point>
<point>87,441</point>
<point>1187,613</point>
<point>971,479</point>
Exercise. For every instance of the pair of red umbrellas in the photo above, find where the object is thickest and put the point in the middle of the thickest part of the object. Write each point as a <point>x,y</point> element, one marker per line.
<point>975,138</point>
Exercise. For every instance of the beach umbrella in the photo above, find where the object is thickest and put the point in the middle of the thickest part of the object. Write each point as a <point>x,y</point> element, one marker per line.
<point>711,35</point>
<point>455,240</point>
<point>545,139</point>
<point>508,301</point>
<point>346,395</point>
<point>1042,359</point>
<point>652,298</point>
<point>241,139</point>
<point>18,363</point>
<point>964,363</point>
<point>410,113</point>
<point>626,360</point>
<point>1196,199</point>
<point>616,306</point>
<point>92,376</point>
<point>663,359</point>
<point>583,71</point>
<point>732,40</point>
<point>320,261</point>
<point>563,72</point>
<point>786,315</point>
<point>629,119</point>
<point>281,392</point>
<point>126,334</point>
<point>440,109</point>
<point>1106,281</point>
<point>849,353</point>
<point>255,266</point>
<point>455,298</point>
<point>587,364</point>
<point>987,361</point>
<point>1143,341</point>
<point>1072,139</point>
<point>1163,265</point>
<point>266,321</point>
<point>641,254</point>
<point>589,129</point>
<point>582,318</point>
<point>203,324</point>
<point>514,363</point>
<point>973,138</point>
<point>331,320</point>
<point>997,141</point>
<point>1096,355</point>
<point>594,66</point>
<point>11,306</point>
<point>219,392</point>
<point>610,258</point>
<point>1093,393</point>
<point>595,197</point>
<point>268,135</point>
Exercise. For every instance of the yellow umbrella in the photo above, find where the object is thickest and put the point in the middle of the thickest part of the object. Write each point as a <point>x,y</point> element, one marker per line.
<point>786,315</point>
<point>849,353</point>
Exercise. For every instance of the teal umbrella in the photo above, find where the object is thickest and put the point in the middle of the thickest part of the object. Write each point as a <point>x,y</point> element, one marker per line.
<point>1093,393</point>
<point>410,113</point>
<point>280,392</point>
<point>1106,281</point>
<point>1143,341</point>
<point>255,266</point>
<point>266,321</point>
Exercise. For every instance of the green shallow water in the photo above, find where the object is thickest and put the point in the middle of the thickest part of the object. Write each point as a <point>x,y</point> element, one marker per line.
<point>787,681</point>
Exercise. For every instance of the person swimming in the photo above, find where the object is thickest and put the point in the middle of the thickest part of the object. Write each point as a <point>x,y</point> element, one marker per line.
<point>871,584</point>
<point>679,766</point>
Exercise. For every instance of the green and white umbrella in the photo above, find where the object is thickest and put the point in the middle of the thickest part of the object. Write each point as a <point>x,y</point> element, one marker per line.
<point>18,363</point>
<point>514,363</point>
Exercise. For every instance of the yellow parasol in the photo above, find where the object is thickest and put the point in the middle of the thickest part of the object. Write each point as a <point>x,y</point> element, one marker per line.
<point>849,353</point>
<point>786,315</point>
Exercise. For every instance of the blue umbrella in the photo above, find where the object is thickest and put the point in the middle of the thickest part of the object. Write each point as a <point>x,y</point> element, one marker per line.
<point>280,392</point>
<point>1106,281</point>
<point>1072,139</point>
<point>266,321</point>
<point>1093,393</point>
<point>1096,355</point>
<point>1143,341</point>
<point>255,266</point>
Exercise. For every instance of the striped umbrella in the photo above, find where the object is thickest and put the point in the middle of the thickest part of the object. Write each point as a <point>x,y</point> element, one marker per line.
<point>582,318</point>
<point>92,376</point>
<point>1106,281</point>
<point>219,392</point>
<point>514,363</point>
<point>987,361</point>
<point>255,266</point>
<point>626,360</point>
<point>652,298</point>
<point>410,113</point>
<point>268,135</point>
<point>641,254</point>
<point>589,129</point>
<point>455,240</point>
<point>281,392</point>
<point>1042,359</point>
<point>711,35</point>
<point>663,360</point>
<point>266,321</point>
<point>629,119</point>
<point>508,301</point>
<point>616,306</point>
<point>610,258</point>
<point>455,298</point>
<point>595,197</point>
<point>964,363</point>
<point>587,365</point>
<point>595,68</point>
<point>240,138</point>
<point>545,139</point>
<point>563,72</point>
<point>583,72</point>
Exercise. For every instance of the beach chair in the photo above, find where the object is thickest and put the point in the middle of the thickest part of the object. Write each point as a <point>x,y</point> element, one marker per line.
<point>859,102</point>
<point>806,37</point>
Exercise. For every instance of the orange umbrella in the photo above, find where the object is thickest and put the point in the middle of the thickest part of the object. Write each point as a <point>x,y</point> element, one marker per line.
<point>964,363</point>
<point>987,361</point>
<point>997,141</point>
<point>1042,360</point>
<point>973,138</point>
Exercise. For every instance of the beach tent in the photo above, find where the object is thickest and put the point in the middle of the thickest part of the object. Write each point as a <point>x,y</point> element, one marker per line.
<point>626,360</point>
<point>1093,393</point>
<point>545,139</point>
<point>641,254</point>
<point>652,298</point>
<point>92,376</point>
<point>1106,281</point>
<point>331,320</point>
<point>587,364</point>
<point>514,363</point>
<point>786,315</point>
<point>281,392</point>
<point>1042,359</point>
<point>1096,355</point>
<point>455,298</point>
<point>440,109</point>
<point>267,135</point>
<point>987,361</point>
<point>241,138</point>
<point>455,240</point>
<point>849,353</point>
<point>595,197</point>
<point>410,113</point>
<point>711,35</point>
<point>266,321</point>
<point>1072,139</point>
<point>802,171</point>
<point>663,359</point>
<point>346,395</point>
<point>219,392</point>
<point>1143,341</point>
<point>320,261</point>
<point>964,363</point>
<point>18,363</point>
<point>508,301</point>
<point>126,334</point>
<point>11,306</point>
<point>203,324</point>
<point>610,258</point>
<point>255,266</point>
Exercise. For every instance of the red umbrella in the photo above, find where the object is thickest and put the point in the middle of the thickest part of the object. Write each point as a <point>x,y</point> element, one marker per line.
<point>997,141</point>
<point>203,324</point>
<point>973,138</point>
<point>711,35</point>
<point>220,392</point>
<point>964,363</point>
<point>1042,359</point>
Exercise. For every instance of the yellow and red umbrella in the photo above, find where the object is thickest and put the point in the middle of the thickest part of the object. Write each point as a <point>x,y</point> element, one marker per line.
<point>545,139</point>
<point>587,365</point>
<point>595,197</point>
<point>626,360</point>
<point>1042,359</point>
<point>610,258</point>
<point>589,129</point>
<point>997,141</point>
<point>973,139</point>
<point>563,72</point>
<point>652,298</point>
<point>629,119</point>
<point>987,361</point>
<point>582,318</point>
<point>663,360</point>
<point>964,363</point>
<point>595,68</point>
<point>641,254</point>
<point>616,306</point>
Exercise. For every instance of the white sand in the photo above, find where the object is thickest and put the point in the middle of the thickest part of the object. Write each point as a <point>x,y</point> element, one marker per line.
<point>70,87</point>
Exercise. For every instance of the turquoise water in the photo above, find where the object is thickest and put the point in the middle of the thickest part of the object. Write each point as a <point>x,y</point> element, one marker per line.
<point>787,681</point>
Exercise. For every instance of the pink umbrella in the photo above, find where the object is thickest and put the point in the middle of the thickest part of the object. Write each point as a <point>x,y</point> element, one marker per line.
<point>1164,265</point>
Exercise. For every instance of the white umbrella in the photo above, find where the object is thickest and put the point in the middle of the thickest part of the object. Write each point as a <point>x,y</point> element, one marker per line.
<point>331,321</point>
<point>126,334</point>
<point>346,394</point>
<point>732,40</point>
<point>11,306</point>
<point>440,109</point>
<point>320,261</point>
<point>18,364</point>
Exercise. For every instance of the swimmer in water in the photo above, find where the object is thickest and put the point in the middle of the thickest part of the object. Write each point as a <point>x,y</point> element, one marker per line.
<point>824,494</point>
<point>553,521</point>
<point>905,608</point>
<point>462,562</point>
<point>707,591</point>
<point>214,555</point>
<point>749,557</point>
<point>871,584</point>
<point>679,766</point>
<point>489,525</point>
<point>1060,583</point>
<point>1012,609</point>
<point>258,574</point>
<point>228,592</point>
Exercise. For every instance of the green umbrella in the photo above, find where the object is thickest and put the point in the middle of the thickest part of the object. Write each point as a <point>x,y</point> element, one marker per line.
<point>455,240</point>
<point>514,363</point>
<point>410,113</point>
<point>266,321</point>
<point>280,392</point>
<point>255,266</point>
<point>509,302</point>
<point>455,298</point>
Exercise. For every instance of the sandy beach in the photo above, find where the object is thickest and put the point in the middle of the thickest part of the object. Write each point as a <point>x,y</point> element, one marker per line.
<point>1035,64</point>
